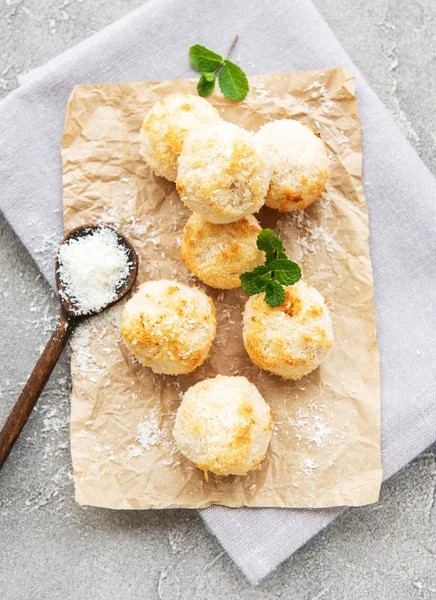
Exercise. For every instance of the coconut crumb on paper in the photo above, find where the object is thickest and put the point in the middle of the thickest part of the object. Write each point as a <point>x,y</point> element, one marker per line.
<point>310,427</point>
<point>97,330</point>
<point>134,451</point>
<point>308,467</point>
<point>264,96</point>
<point>320,93</point>
<point>149,433</point>
<point>310,238</point>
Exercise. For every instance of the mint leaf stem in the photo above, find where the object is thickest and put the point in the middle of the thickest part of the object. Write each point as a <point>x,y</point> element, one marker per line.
<point>230,50</point>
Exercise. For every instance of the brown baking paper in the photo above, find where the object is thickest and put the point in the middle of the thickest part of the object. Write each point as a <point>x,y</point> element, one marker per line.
<point>325,448</point>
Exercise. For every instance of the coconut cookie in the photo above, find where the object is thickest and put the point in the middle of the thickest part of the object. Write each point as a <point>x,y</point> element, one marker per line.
<point>166,127</point>
<point>224,425</point>
<point>218,254</point>
<point>222,174</point>
<point>292,339</point>
<point>300,163</point>
<point>169,327</point>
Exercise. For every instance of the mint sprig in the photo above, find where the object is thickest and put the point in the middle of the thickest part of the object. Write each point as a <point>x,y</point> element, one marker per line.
<point>232,80</point>
<point>278,271</point>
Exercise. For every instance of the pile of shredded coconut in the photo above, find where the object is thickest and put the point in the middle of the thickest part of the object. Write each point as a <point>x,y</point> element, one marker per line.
<point>91,269</point>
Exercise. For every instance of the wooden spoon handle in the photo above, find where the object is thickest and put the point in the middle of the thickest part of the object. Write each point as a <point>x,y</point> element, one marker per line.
<point>34,386</point>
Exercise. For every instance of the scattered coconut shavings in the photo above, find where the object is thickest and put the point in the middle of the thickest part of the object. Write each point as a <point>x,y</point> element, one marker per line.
<point>91,269</point>
<point>46,246</point>
<point>177,540</point>
<point>110,216</point>
<point>310,426</point>
<point>319,432</point>
<point>155,232</point>
<point>133,451</point>
<point>265,97</point>
<point>49,442</point>
<point>83,352</point>
<point>311,238</point>
<point>307,467</point>
<point>105,448</point>
<point>320,94</point>
<point>170,462</point>
<point>311,430</point>
<point>149,433</point>
<point>316,234</point>
<point>151,228</point>
<point>92,332</point>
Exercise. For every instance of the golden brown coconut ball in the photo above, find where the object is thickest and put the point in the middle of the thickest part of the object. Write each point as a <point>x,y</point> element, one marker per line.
<point>218,254</point>
<point>222,174</point>
<point>166,127</point>
<point>292,339</point>
<point>169,327</point>
<point>300,163</point>
<point>223,425</point>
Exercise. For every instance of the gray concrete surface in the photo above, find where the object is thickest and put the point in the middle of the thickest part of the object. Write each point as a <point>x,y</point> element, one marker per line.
<point>50,548</point>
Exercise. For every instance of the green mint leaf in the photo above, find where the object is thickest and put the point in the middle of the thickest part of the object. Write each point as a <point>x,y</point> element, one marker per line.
<point>271,245</point>
<point>274,294</point>
<point>233,81</point>
<point>256,286</point>
<point>204,60</point>
<point>260,270</point>
<point>209,76</point>
<point>285,271</point>
<point>255,281</point>
<point>205,86</point>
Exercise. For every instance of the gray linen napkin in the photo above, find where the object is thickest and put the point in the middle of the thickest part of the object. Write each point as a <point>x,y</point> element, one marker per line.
<point>152,43</point>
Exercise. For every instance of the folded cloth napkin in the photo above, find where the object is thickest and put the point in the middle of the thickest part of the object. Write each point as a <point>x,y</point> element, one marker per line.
<point>152,43</point>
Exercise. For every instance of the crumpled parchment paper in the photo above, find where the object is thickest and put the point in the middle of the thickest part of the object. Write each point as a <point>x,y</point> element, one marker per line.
<point>325,449</point>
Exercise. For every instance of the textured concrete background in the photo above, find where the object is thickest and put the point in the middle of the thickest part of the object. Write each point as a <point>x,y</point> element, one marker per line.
<point>50,548</point>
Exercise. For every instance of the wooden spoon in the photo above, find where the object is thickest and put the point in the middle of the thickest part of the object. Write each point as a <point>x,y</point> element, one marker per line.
<point>67,321</point>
